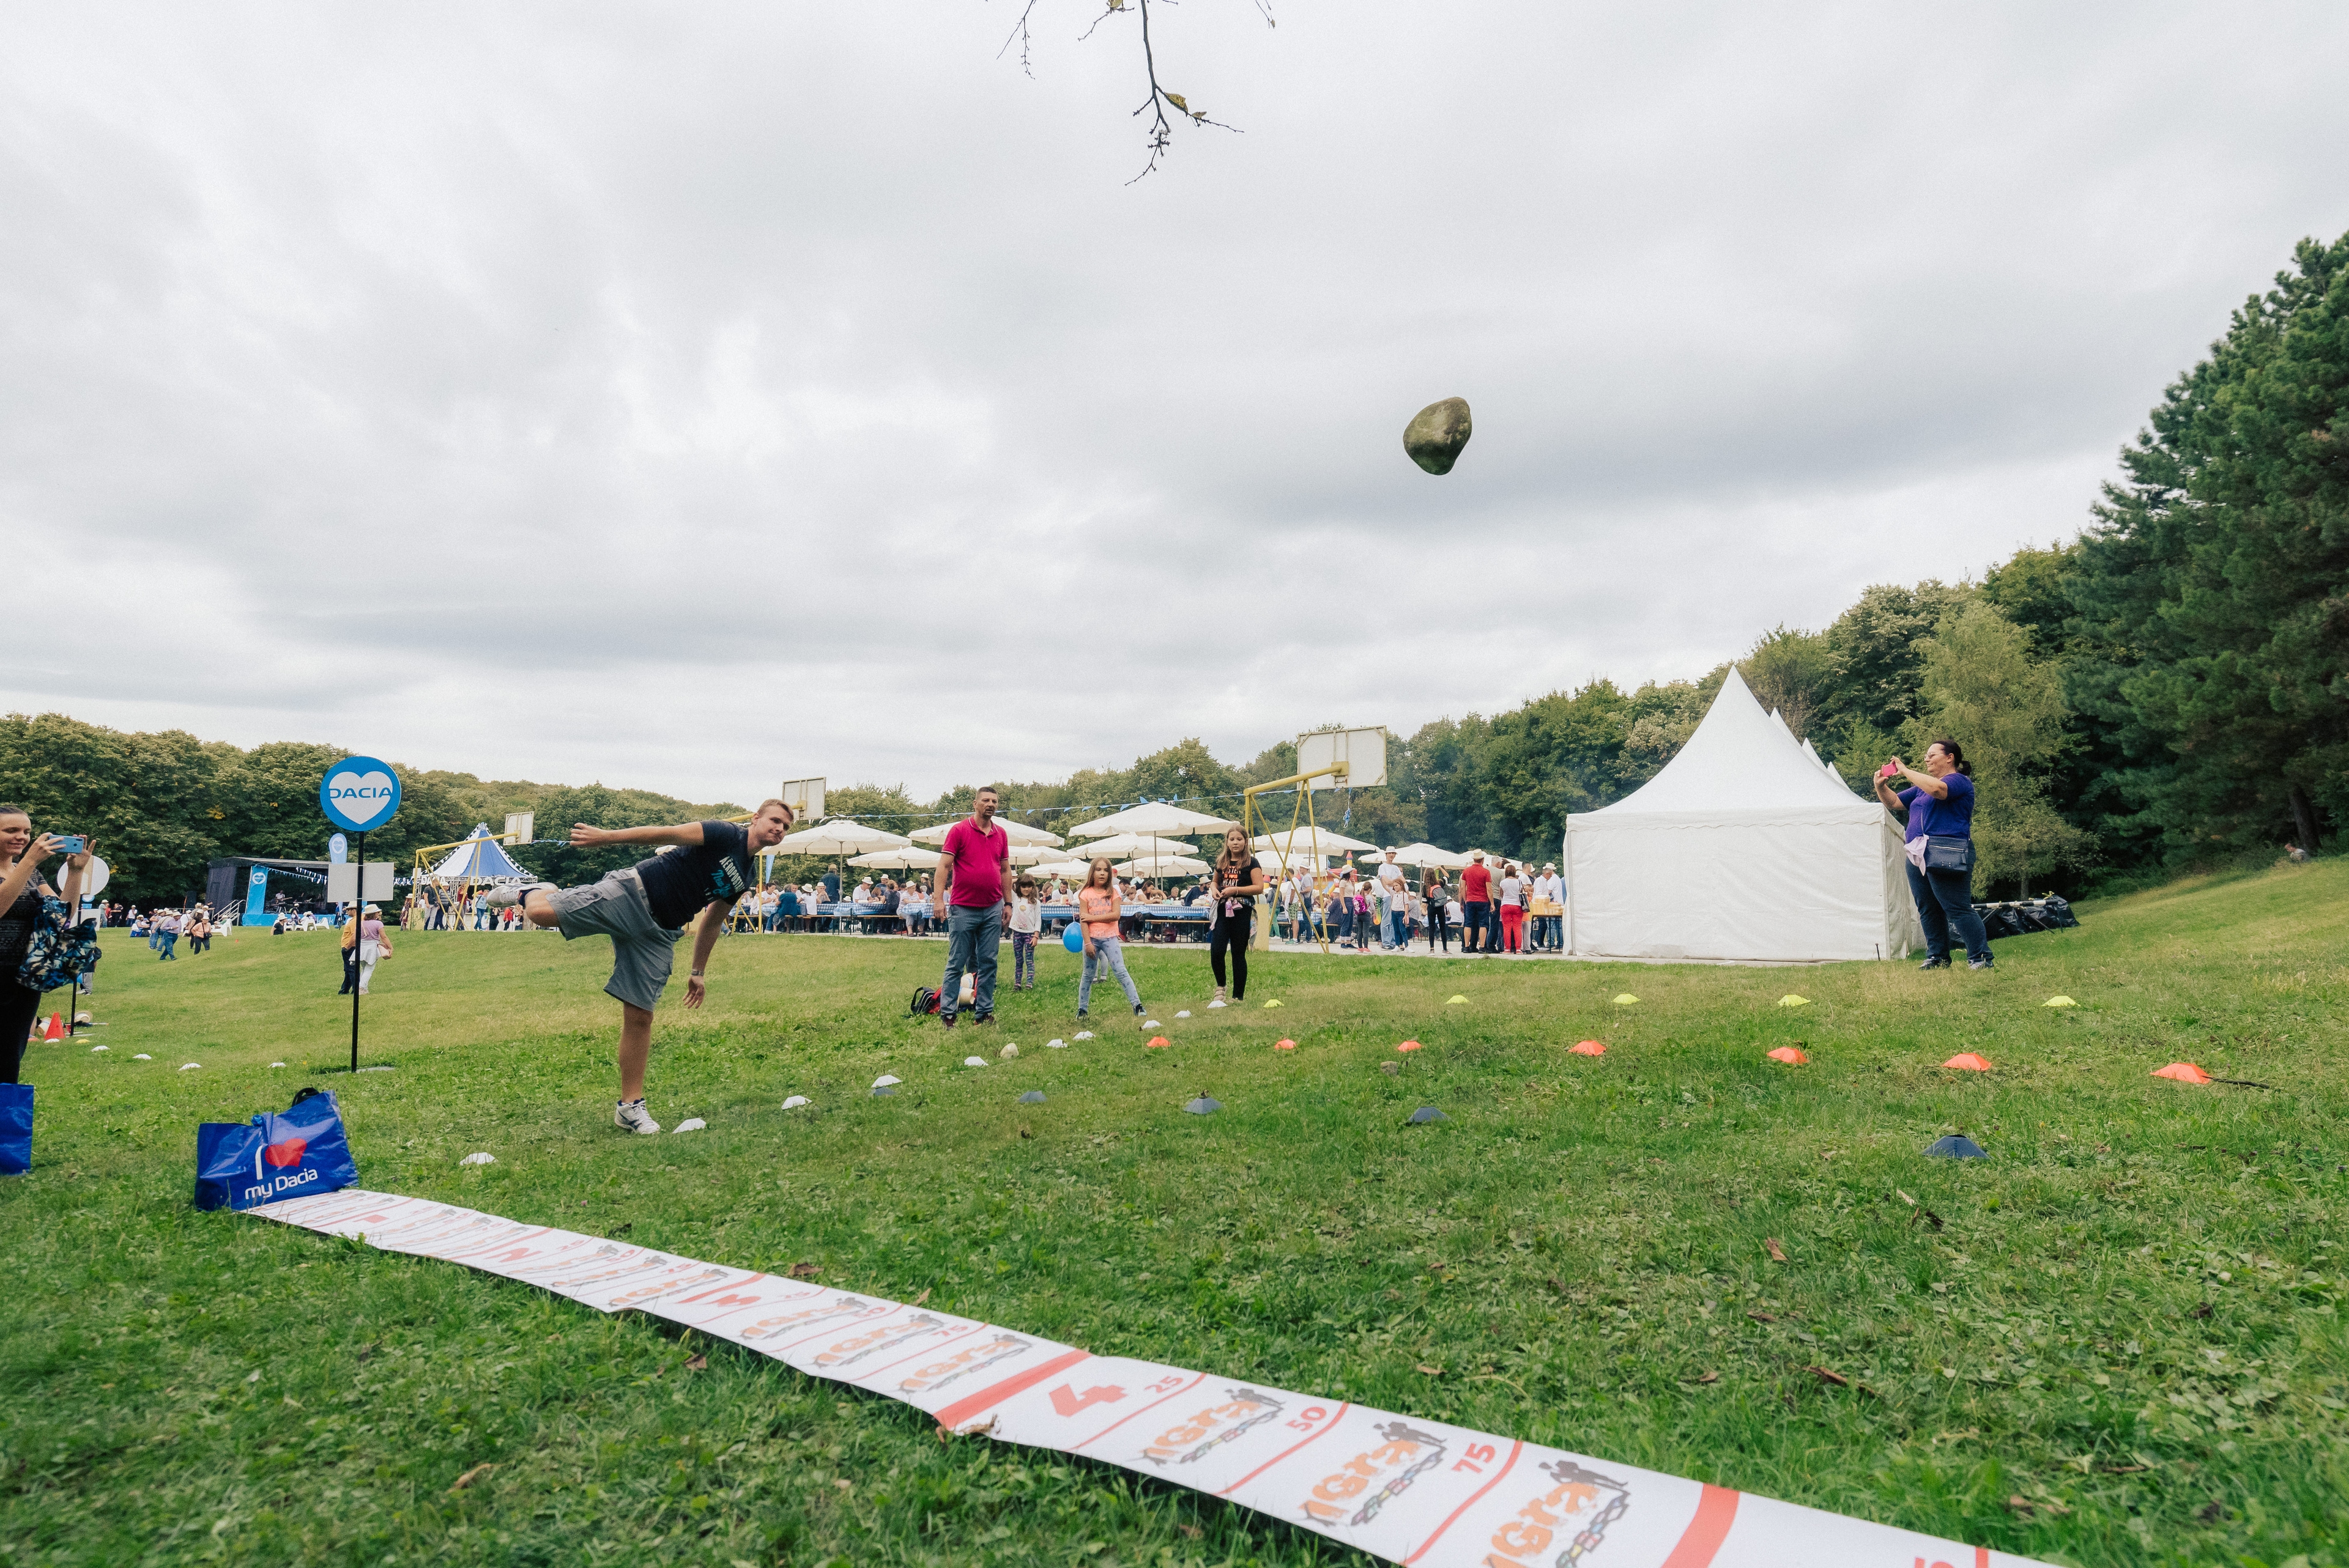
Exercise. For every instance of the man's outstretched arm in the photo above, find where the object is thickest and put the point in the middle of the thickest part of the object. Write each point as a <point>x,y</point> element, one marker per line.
<point>686,835</point>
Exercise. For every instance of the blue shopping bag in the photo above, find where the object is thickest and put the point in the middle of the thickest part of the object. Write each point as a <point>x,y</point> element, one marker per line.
<point>15,1128</point>
<point>302,1150</point>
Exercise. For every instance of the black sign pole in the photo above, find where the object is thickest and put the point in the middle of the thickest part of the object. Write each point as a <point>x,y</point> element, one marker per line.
<point>358,947</point>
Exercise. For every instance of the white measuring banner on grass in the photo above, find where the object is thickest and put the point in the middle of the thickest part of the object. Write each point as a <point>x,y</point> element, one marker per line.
<point>1410,1491</point>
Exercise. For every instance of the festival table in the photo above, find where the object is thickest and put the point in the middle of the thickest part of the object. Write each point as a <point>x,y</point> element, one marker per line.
<point>1159,922</point>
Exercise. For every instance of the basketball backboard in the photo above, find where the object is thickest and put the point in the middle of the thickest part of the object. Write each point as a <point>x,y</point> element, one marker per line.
<point>806,798</point>
<point>1361,752</point>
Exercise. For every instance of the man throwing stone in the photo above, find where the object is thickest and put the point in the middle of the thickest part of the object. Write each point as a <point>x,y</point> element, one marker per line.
<point>643,909</point>
<point>975,894</point>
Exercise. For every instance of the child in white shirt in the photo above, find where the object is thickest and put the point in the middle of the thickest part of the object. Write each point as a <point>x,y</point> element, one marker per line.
<point>1026,921</point>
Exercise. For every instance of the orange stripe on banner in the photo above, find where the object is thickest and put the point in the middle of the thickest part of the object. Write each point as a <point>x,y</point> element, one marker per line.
<point>1982,1557</point>
<point>962,1411</point>
<point>1327,1428</point>
<point>1514,1449</point>
<point>1715,1511</point>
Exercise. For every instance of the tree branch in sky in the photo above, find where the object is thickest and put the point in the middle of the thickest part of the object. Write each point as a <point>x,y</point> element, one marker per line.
<point>1160,127</point>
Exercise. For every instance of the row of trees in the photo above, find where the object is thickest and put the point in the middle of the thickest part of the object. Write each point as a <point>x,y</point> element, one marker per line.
<point>2172,685</point>
<point>163,804</point>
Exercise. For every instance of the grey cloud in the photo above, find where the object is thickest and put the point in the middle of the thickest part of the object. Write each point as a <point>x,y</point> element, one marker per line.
<point>612,376</point>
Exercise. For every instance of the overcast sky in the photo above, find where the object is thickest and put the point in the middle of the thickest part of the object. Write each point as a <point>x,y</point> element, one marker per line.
<point>693,397</point>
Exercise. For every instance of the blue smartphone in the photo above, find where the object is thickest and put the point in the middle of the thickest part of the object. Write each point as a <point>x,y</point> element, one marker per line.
<point>71,844</point>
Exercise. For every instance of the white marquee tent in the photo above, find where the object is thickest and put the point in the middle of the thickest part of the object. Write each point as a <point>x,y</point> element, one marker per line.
<point>1745,848</point>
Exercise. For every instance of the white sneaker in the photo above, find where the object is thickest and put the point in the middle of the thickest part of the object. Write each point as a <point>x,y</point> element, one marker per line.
<point>630,1116</point>
<point>507,897</point>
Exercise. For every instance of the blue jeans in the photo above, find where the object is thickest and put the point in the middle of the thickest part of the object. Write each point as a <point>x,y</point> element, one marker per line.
<point>1945,906</point>
<point>1392,936</point>
<point>974,942</point>
<point>1107,953</point>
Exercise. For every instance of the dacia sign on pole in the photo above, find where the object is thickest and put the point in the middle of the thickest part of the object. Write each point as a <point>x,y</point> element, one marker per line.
<point>359,793</point>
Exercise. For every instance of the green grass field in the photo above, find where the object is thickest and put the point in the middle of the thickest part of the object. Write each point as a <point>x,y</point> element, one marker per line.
<point>2116,1341</point>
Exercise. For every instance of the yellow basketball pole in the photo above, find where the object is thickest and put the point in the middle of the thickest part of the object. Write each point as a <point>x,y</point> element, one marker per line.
<point>1303,808</point>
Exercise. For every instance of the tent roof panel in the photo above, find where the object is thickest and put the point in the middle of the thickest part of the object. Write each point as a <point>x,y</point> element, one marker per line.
<point>1740,759</point>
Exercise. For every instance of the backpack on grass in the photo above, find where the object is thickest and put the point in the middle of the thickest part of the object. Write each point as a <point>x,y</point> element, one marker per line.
<point>925,1002</point>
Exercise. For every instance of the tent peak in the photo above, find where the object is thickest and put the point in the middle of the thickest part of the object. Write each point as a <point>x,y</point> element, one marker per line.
<point>1739,758</point>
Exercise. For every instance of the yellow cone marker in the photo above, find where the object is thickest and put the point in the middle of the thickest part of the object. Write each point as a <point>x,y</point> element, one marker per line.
<point>1625,1000</point>
<point>2059,1002</point>
<point>1456,1001</point>
<point>1791,1000</point>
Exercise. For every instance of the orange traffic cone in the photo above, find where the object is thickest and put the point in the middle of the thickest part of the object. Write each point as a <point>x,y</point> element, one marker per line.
<point>1284,1045</point>
<point>1968,1062</point>
<point>2184,1072</point>
<point>1588,1049</point>
<point>1408,1046</point>
<point>1157,1042</point>
<point>57,1029</point>
<point>1790,1055</point>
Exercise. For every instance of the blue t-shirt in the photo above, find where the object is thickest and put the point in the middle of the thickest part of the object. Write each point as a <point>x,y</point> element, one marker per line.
<point>1947,818</point>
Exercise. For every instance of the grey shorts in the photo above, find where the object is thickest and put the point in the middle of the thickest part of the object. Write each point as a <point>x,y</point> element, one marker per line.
<point>641,953</point>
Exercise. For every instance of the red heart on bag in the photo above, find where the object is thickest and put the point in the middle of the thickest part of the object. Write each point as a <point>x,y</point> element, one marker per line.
<point>287,1153</point>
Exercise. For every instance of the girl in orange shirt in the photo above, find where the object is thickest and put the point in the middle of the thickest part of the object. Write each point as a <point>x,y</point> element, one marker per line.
<point>1098,906</point>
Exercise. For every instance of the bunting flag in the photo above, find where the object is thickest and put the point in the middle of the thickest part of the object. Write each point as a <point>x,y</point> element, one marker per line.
<point>1410,1490</point>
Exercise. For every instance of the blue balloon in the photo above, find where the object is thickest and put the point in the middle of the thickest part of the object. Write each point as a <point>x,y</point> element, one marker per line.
<point>1072,937</point>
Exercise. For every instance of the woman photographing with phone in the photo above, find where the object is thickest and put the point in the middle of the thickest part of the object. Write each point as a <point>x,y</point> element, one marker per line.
<point>1231,918</point>
<point>22,889</point>
<point>1940,805</point>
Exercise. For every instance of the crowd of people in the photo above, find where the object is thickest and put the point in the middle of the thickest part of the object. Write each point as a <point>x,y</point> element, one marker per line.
<point>1493,909</point>
<point>1496,907</point>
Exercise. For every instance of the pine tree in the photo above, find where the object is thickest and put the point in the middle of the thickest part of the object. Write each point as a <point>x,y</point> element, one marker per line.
<point>2213,595</point>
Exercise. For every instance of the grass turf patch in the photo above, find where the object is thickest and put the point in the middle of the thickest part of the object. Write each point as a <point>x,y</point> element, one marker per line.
<point>2116,1341</point>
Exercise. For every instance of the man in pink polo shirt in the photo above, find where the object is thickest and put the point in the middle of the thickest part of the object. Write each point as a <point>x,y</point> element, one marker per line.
<point>975,890</point>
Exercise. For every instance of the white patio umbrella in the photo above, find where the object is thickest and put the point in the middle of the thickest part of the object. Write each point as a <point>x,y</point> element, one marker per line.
<point>1419,855</point>
<point>839,837</point>
<point>1035,854</point>
<point>1072,869</point>
<point>1309,840</point>
<point>1018,832</point>
<point>1164,866</point>
<point>1150,817</point>
<point>907,858</point>
<point>1125,846</point>
<point>1274,860</point>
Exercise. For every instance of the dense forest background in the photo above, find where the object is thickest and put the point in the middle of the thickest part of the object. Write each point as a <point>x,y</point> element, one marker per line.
<point>2172,689</point>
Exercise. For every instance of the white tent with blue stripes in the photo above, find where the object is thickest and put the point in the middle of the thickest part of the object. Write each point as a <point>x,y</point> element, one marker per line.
<point>480,857</point>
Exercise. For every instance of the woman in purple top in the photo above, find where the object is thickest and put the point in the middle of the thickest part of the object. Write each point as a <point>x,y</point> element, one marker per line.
<point>1940,806</point>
